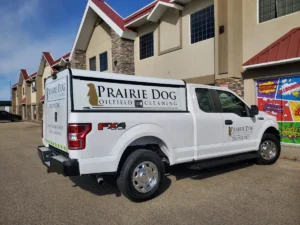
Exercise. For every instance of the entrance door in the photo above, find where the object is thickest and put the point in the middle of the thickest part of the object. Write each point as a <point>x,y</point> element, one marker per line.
<point>240,130</point>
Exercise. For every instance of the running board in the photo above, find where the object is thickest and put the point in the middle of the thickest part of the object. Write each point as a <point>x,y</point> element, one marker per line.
<point>209,163</point>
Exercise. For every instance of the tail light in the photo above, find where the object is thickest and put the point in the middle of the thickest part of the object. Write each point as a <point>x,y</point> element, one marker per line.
<point>77,134</point>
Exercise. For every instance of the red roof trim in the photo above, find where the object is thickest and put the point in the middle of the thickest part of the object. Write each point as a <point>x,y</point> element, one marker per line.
<point>24,74</point>
<point>15,85</point>
<point>33,75</point>
<point>23,101</point>
<point>48,58</point>
<point>43,98</point>
<point>286,47</point>
<point>143,11</point>
<point>66,56</point>
<point>110,13</point>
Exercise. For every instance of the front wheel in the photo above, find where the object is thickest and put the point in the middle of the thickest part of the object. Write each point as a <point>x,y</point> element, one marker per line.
<point>269,149</point>
<point>141,175</point>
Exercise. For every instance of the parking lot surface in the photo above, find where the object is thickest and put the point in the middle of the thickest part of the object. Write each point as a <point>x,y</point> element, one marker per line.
<point>242,193</point>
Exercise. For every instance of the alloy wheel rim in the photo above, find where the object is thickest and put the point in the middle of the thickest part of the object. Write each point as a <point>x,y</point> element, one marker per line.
<point>145,177</point>
<point>268,150</point>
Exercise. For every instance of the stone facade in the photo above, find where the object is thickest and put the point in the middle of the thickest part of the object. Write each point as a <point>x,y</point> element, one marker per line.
<point>78,60</point>
<point>19,91</point>
<point>13,101</point>
<point>28,112</point>
<point>21,111</point>
<point>39,109</point>
<point>234,84</point>
<point>122,54</point>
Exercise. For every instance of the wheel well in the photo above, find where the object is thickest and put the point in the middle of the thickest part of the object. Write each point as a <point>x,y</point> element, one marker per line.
<point>150,143</point>
<point>273,130</point>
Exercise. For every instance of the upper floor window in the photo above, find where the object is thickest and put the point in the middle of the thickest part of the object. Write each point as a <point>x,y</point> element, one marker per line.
<point>33,86</point>
<point>45,82</point>
<point>93,64</point>
<point>271,9</point>
<point>146,46</point>
<point>202,24</point>
<point>103,61</point>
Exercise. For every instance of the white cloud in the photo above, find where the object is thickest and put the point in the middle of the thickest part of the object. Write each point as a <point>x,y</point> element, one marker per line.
<point>21,45</point>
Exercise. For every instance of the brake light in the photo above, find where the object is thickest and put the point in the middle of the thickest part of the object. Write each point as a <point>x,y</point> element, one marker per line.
<point>77,134</point>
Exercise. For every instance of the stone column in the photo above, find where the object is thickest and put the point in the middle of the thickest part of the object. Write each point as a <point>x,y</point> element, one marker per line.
<point>13,101</point>
<point>39,111</point>
<point>78,60</point>
<point>122,54</point>
<point>234,84</point>
<point>28,113</point>
<point>21,111</point>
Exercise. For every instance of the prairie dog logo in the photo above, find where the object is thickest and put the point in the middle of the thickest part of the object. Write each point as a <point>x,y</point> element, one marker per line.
<point>93,96</point>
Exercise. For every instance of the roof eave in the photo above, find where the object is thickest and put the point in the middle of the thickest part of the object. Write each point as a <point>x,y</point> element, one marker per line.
<point>275,63</point>
<point>160,9</point>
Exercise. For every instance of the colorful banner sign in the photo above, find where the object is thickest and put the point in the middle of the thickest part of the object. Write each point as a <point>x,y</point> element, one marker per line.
<point>281,98</point>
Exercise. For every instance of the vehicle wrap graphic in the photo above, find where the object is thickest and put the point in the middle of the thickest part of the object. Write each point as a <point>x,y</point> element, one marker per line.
<point>280,97</point>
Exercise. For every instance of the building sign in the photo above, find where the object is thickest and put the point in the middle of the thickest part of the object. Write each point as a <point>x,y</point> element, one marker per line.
<point>281,98</point>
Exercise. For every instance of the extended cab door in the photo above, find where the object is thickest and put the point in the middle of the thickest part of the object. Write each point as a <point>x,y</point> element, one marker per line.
<point>209,125</point>
<point>240,130</point>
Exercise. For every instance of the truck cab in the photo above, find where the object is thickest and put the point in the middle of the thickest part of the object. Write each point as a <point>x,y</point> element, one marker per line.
<point>131,127</point>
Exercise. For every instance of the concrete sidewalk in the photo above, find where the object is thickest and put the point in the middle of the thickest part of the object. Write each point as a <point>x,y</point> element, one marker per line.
<point>292,153</point>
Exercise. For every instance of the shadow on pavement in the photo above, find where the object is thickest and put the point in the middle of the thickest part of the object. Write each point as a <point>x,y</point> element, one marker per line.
<point>182,172</point>
<point>88,183</point>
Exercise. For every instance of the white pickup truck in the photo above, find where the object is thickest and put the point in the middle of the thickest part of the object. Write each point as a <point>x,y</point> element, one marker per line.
<point>131,127</point>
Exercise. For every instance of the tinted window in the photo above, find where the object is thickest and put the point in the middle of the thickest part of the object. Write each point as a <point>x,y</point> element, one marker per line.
<point>93,64</point>
<point>271,9</point>
<point>232,104</point>
<point>146,46</point>
<point>204,100</point>
<point>103,61</point>
<point>202,24</point>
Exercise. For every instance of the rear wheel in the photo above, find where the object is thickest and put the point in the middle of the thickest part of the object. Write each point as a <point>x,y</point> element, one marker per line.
<point>141,175</point>
<point>269,149</point>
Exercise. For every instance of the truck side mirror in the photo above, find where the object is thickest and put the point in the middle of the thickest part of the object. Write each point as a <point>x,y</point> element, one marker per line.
<point>254,110</point>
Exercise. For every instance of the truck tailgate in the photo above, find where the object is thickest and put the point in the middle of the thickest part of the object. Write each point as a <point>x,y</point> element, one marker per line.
<point>56,117</point>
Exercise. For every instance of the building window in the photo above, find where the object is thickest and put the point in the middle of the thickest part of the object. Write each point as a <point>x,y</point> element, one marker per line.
<point>33,86</point>
<point>93,64</point>
<point>202,25</point>
<point>103,61</point>
<point>45,82</point>
<point>271,9</point>
<point>146,46</point>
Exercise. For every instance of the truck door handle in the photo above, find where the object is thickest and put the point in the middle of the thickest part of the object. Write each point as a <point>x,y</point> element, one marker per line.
<point>228,122</point>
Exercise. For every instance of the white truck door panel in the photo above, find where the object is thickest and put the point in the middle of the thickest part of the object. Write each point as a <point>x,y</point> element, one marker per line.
<point>209,131</point>
<point>240,130</point>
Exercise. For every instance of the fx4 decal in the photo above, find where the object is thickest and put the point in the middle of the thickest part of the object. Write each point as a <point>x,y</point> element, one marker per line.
<point>112,126</point>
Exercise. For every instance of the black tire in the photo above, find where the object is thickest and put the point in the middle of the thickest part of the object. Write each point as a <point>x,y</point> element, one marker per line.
<point>125,182</point>
<point>269,138</point>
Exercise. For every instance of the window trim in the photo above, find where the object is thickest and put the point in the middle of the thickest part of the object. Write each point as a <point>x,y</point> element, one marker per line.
<point>257,14</point>
<point>94,57</point>
<point>140,45</point>
<point>190,23</point>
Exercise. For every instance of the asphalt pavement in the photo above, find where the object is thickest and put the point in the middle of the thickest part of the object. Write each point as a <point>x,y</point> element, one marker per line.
<point>243,193</point>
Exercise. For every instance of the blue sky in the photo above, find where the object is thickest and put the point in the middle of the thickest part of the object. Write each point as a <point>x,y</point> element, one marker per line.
<point>30,27</point>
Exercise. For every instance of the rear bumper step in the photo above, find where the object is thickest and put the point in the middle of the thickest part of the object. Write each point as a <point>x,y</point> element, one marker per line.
<point>58,163</point>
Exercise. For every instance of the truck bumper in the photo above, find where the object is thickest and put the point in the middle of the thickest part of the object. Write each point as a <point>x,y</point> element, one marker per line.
<point>57,163</point>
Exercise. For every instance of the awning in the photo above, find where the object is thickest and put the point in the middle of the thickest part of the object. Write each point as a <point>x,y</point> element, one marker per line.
<point>43,98</point>
<point>285,50</point>
<point>23,102</point>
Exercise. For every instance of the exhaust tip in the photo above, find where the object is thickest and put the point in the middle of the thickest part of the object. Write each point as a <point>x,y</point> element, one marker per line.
<point>100,180</point>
